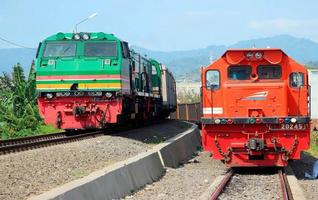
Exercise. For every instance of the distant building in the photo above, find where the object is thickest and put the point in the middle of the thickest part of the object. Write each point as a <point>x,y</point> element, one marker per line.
<point>313,81</point>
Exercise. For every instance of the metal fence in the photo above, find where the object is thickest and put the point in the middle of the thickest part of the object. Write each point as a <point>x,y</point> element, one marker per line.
<point>189,112</point>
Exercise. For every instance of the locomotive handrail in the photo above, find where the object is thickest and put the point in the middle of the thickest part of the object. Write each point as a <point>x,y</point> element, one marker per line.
<point>309,103</point>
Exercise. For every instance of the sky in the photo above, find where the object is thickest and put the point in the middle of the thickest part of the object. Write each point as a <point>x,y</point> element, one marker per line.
<point>165,25</point>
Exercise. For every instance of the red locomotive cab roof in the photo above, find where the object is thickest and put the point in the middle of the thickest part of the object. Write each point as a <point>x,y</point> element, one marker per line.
<point>272,55</point>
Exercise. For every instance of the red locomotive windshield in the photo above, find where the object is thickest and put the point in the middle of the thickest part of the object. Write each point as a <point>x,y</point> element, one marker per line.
<point>237,72</point>
<point>269,71</point>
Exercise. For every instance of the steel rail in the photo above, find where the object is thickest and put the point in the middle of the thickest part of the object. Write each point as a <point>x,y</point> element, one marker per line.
<point>286,191</point>
<point>22,144</point>
<point>29,138</point>
<point>222,185</point>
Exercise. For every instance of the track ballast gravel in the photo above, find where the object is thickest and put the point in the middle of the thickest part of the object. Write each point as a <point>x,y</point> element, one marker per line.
<point>36,171</point>
<point>253,185</point>
<point>187,182</point>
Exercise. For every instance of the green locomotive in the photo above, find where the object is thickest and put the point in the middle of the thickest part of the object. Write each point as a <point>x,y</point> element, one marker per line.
<point>90,80</point>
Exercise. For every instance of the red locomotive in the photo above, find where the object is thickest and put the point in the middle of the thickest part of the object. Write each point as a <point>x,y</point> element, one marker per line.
<point>256,108</point>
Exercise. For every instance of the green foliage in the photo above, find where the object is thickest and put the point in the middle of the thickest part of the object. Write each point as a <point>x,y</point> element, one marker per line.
<point>188,96</point>
<point>18,110</point>
<point>79,173</point>
<point>313,144</point>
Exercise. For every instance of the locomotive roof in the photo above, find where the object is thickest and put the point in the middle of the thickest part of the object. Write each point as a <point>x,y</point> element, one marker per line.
<point>253,49</point>
<point>272,55</point>
<point>93,36</point>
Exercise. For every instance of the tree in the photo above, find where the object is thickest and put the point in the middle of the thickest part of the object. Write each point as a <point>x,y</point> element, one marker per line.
<point>18,109</point>
<point>188,96</point>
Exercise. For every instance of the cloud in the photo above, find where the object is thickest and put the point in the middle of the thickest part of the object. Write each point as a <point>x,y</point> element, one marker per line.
<point>283,24</point>
<point>296,27</point>
<point>209,13</point>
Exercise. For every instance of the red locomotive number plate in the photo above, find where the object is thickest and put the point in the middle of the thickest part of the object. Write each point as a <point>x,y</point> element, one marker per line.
<point>293,126</point>
<point>289,126</point>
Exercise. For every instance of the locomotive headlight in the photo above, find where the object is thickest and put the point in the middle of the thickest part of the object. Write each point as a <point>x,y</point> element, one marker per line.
<point>77,36</point>
<point>293,120</point>
<point>108,94</point>
<point>249,55</point>
<point>258,55</point>
<point>49,95</point>
<point>287,120</point>
<point>217,121</point>
<point>85,36</point>
<point>107,62</point>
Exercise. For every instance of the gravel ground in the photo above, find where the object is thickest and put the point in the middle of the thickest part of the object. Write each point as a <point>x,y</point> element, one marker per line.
<point>186,182</point>
<point>36,171</point>
<point>310,187</point>
<point>253,185</point>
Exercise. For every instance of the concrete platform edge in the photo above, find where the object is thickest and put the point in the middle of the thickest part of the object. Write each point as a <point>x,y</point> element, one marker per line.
<point>293,184</point>
<point>179,148</point>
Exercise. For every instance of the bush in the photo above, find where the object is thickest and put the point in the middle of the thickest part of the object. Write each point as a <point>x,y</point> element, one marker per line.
<point>18,107</point>
<point>188,96</point>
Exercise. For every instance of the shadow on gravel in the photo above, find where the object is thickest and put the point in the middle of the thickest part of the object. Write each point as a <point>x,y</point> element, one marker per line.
<point>305,164</point>
<point>256,170</point>
<point>152,133</point>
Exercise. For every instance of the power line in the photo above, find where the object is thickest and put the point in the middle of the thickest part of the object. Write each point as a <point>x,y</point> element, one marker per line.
<point>14,44</point>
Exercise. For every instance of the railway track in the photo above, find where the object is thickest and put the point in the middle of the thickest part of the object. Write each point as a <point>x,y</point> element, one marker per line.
<point>32,142</point>
<point>284,186</point>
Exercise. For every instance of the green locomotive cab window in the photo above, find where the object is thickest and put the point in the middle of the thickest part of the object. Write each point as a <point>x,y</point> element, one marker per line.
<point>239,72</point>
<point>269,71</point>
<point>60,50</point>
<point>154,70</point>
<point>212,79</point>
<point>100,49</point>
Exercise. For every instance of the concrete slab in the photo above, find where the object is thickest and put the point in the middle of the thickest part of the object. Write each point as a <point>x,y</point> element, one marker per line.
<point>112,182</point>
<point>293,184</point>
<point>180,148</point>
<point>123,178</point>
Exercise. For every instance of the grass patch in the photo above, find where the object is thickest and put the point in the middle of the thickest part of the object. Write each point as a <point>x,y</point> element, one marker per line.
<point>79,173</point>
<point>42,129</point>
<point>314,144</point>
<point>47,129</point>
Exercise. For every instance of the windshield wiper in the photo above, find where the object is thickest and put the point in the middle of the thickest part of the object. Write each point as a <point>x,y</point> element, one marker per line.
<point>68,48</point>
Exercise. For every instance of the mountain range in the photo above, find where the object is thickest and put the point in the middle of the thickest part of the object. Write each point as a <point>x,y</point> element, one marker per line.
<point>184,63</point>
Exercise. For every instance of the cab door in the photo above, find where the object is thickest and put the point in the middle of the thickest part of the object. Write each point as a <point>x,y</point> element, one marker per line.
<point>298,102</point>
<point>212,93</point>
